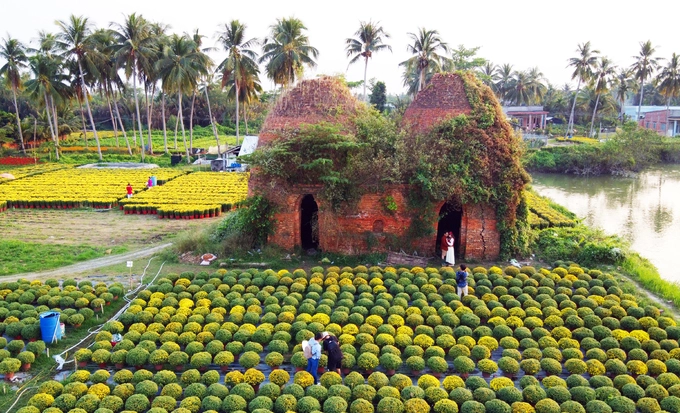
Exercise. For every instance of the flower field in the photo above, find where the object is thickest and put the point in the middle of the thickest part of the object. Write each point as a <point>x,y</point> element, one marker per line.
<point>15,161</point>
<point>26,171</point>
<point>524,340</point>
<point>542,215</point>
<point>197,195</point>
<point>75,188</point>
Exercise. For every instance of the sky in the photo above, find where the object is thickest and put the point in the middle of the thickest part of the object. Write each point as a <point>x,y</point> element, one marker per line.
<point>524,33</point>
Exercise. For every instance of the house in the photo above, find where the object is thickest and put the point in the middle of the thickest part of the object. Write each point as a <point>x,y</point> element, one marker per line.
<point>528,117</point>
<point>665,121</point>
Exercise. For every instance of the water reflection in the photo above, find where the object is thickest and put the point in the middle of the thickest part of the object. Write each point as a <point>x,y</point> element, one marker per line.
<point>644,210</point>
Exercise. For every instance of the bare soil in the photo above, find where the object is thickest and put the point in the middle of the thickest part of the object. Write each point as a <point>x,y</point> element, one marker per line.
<point>107,228</point>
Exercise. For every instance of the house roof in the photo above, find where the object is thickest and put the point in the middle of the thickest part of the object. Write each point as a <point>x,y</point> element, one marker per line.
<point>512,110</point>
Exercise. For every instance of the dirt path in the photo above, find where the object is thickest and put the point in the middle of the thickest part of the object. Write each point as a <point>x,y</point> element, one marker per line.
<point>89,265</point>
<point>668,305</point>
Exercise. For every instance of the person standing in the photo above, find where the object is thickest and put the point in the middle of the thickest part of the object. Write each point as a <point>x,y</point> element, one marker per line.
<point>313,361</point>
<point>461,281</point>
<point>450,252</point>
<point>332,346</point>
<point>128,188</point>
<point>149,183</point>
<point>444,247</point>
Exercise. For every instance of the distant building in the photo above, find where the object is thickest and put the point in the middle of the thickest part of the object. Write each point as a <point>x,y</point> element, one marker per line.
<point>666,121</point>
<point>528,117</point>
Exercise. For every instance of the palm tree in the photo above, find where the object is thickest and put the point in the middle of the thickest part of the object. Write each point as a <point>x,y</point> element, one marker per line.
<point>669,79</point>
<point>624,84</point>
<point>505,73</point>
<point>368,40</point>
<point>519,93</point>
<point>15,54</point>
<point>489,75</point>
<point>583,67</point>
<point>134,45</point>
<point>535,85</point>
<point>180,69</point>
<point>287,51</point>
<point>249,91</point>
<point>645,65</point>
<point>426,44</point>
<point>206,64</point>
<point>240,61</point>
<point>602,77</point>
<point>73,39</point>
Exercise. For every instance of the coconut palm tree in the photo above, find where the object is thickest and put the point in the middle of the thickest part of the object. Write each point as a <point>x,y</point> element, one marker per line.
<point>368,40</point>
<point>624,84</point>
<point>287,51</point>
<point>180,69</point>
<point>644,66</point>
<point>14,54</point>
<point>240,62</point>
<point>669,79</point>
<point>73,40</point>
<point>489,75</point>
<point>535,85</point>
<point>206,65</point>
<point>505,73</point>
<point>426,45</point>
<point>134,45</point>
<point>43,86</point>
<point>602,77</point>
<point>583,65</point>
<point>249,91</point>
<point>519,92</point>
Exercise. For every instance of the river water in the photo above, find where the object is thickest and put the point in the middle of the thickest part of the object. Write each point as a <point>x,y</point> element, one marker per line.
<point>644,210</point>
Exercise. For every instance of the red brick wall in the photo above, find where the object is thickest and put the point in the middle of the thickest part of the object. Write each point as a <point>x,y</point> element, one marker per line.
<point>654,120</point>
<point>347,233</point>
<point>443,98</point>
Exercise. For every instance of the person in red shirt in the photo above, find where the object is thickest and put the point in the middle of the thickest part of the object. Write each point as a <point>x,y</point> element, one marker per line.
<point>129,190</point>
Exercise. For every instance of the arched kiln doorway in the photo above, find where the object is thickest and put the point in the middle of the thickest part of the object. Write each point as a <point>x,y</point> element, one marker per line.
<point>309,223</point>
<point>450,219</point>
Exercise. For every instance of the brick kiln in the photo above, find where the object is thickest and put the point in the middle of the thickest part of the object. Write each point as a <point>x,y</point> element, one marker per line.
<point>304,220</point>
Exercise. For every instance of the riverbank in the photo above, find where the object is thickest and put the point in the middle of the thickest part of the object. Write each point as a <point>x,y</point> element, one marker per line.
<point>629,151</point>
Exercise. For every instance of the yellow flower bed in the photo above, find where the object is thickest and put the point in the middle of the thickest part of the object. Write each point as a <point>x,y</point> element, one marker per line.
<point>579,140</point>
<point>542,215</point>
<point>196,195</point>
<point>76,188</point>
<point>26,171</point>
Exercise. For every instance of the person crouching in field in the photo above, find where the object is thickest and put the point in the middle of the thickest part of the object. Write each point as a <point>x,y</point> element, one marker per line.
<point>332,346</point>
<point>128,188</point>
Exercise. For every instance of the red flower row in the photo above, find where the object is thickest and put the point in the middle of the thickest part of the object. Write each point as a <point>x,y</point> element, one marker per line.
<point>10,160</point>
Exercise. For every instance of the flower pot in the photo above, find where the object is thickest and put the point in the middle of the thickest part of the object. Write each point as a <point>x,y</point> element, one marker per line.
<point>179,368</point>
<point>26,367</point>
<point>390,372</point>
<point>256,388</point>
<point>274,368</point>
<point>202,369</point>
<point>486,375</point>
<point>320,370</point>
<point>509,375</point>
<point>158,367</point>
<point>119,366</point>
<point>299,369</point>
<point>31,340</point>
<point>82,364</point>
<point>224,368</point>
<point>464,376</point>
<point>345,371</point>
<point>102,365</point>
<point>9,376</point>
<point>368,372</point>
<point>415,373</point>
<point>436,374</point>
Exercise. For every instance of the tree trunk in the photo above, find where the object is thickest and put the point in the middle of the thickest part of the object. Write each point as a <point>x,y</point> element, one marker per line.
<point>421,81</point>
<point>212,122</point>
<point>184,136</point>
<point>176,128</point>
<point>365,71</point>
<point>16,109</point>
<point>149,117</point>
<point>237,106</point>
<point>55,118</point>
<point>191,123</point>
<point>113,118</point>
<point>82,118</point>
<point>49,121</point>
<point>592,122</point>
<point>642,95</point>
<point>122,127</point>
<point>89,112</point>
<point>139,118</point>
<point>35,135</point>
<point>134,131</point>
<point>165,132</point>
<point>570,124</point>
<point>245,118</point>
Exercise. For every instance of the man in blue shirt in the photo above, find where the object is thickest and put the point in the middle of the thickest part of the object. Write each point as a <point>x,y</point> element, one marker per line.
<point>313,362</point>
<point>461,281</point>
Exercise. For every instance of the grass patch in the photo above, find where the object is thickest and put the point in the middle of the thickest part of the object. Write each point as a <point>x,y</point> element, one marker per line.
<point>644,272</point>
<point>19,256</point>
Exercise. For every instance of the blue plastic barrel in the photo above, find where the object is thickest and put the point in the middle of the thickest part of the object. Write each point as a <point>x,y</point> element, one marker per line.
<point>49,326</point>
<point>153,180</point>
